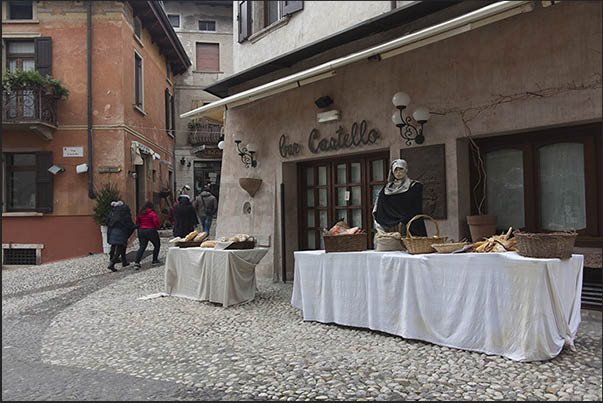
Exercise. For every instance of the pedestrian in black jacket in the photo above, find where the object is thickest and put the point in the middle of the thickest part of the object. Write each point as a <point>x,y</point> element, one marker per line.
<point>185,216</point>
<point>119,228</point>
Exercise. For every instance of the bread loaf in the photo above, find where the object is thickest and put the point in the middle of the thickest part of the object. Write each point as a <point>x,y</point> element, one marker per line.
<point>191,236</point>
<point>208,244</point>
<point>201,237</point>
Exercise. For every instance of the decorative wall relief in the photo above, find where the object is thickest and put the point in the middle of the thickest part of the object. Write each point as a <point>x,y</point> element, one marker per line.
<point>428,166</point>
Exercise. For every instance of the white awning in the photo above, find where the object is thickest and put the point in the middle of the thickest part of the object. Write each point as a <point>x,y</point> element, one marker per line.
<point>137,148</point>
<point>467,22</point>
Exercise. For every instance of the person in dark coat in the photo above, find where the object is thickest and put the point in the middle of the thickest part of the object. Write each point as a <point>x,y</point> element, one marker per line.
<point>119,229</point>
<point>185,216</point>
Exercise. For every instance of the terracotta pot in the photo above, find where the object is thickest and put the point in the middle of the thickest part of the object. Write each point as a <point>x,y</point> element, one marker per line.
<point>251,185</point>
<point>481,226</point>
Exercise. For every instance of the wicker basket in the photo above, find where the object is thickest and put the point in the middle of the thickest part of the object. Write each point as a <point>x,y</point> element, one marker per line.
<point>345,243</point>
<point>550,245</point>
<point>422,244</point>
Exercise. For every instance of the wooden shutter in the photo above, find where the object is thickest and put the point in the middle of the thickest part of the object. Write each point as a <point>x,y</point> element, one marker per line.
<point>208,57</point>
<point>43,48</point>
<point>44,178</point>
<point>291,7</point>
<point>173,114</point>
<point>167,111</point>
<point>244,18</point>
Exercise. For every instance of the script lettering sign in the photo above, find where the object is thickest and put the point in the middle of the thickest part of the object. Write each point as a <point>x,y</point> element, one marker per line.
<point>288,150</point>
<point>357,136</point>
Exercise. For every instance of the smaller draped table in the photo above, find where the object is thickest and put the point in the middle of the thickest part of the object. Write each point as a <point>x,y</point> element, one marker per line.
<point>226,277</point>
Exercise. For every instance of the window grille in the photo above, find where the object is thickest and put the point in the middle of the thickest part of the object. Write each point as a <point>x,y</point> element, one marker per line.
<point>19,256</point>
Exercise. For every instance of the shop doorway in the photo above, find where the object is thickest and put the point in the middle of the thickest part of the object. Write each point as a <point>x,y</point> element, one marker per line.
<point>339,189</point>
<point>207,173</point>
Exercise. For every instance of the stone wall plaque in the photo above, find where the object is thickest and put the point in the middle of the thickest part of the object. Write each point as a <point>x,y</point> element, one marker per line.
<point>428,166</point>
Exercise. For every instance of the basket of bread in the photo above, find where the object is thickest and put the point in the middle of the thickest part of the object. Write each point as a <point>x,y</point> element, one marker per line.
<point>193,239</point>
<point>342,238</point>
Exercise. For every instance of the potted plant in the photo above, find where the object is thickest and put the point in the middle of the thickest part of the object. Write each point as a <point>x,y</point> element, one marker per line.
<point>107,194</point>
<point>481,225</point>
<point>32,79</point>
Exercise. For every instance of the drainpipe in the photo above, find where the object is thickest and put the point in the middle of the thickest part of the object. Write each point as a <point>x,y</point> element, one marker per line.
<point>91,193</point>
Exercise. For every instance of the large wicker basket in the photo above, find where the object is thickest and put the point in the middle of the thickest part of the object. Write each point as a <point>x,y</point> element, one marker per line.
<point>422,244</point>
<point>549,245</point>
<point>345,243</point>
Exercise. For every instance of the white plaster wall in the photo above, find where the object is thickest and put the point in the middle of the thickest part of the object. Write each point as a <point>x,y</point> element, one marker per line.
<point>317,20</point>
<point>483,75</point>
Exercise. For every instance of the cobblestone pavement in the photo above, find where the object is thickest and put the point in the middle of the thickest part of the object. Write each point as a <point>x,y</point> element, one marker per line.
<point>74,330</point>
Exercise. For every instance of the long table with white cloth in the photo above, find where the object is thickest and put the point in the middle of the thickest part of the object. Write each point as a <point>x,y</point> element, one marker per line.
<point>223,276</point>
<point>497,303</point>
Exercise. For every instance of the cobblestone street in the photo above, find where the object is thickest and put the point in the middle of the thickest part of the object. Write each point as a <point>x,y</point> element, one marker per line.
<point>74,330</point>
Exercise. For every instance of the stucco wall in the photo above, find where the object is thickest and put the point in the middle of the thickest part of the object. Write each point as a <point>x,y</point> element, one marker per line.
<point>190,85</point>
<point>314,22</point>
<point>115,122</point>
<point>483,77</point>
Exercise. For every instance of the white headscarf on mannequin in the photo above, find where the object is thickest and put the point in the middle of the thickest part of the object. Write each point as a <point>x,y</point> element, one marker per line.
<point>395,186</point>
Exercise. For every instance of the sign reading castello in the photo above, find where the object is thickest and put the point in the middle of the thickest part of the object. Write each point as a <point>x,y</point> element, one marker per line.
<point>357,136</point>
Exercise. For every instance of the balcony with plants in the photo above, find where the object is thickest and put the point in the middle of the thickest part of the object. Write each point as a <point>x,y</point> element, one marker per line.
<point>29,102</point>
<point>203,133</point>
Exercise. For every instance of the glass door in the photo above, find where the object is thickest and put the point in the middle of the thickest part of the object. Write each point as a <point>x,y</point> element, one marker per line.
<point>339,190</point>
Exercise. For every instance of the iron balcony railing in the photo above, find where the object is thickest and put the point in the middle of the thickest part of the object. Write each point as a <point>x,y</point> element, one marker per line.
<point>205,134</point>
<point>29,105</point>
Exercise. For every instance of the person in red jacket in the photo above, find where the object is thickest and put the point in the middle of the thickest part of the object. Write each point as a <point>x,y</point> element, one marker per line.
<point>149,224</point>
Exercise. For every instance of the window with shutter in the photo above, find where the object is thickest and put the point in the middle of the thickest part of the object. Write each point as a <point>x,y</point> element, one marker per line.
<point>138,80</point>
<point>173,116</point>
<point>28,184</point>
<point>137,28</point>
<point>244,18</point>
<point>19,10</point>
<point>168,113</point>
<point>43,48</point>
<point>208,57</point>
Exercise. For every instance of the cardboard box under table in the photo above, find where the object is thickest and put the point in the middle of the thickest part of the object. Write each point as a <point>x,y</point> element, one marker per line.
<point>522,308</point>
<point>223,276</point>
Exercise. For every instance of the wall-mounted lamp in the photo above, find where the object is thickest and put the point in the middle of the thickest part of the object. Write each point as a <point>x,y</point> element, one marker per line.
<point>407,130</point>
<point>55,169</point>
<point>182,161</point>
<point>323,102</point>
<point>246,153</point>
<point>133,173</point>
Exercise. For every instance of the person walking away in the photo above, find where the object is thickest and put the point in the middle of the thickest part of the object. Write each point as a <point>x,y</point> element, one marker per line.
<point>147,232</point>
<point>119,229</point>
<point>206,206</point>
<point>185,216</point>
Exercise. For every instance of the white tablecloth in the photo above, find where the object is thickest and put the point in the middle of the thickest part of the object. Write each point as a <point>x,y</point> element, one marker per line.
<point>496,303</point>
<point>205,274</point>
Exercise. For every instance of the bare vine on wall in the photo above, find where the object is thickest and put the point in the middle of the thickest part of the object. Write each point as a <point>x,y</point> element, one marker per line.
<point>471,113</point>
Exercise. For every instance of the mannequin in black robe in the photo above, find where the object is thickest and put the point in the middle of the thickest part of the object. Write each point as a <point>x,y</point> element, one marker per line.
<point>399,201</point>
